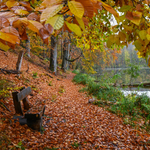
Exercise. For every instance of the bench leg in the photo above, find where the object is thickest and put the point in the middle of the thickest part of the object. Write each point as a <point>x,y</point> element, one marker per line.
<point>35,124</point>
<point>17,104</point>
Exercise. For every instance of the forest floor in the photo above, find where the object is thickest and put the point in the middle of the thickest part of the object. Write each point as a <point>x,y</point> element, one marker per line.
<point>70,122</point>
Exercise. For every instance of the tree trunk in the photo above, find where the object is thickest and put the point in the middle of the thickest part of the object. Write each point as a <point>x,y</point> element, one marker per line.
<point>53,57</point>
<point>19,61</point>
<point>68,56</point>
<point>28,46</point>
<point>64,62</point>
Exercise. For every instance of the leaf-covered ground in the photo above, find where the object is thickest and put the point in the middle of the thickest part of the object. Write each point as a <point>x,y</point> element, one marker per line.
<point>70,122</point>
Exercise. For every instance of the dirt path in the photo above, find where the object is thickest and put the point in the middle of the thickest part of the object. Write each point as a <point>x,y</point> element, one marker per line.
<point>70,121</point>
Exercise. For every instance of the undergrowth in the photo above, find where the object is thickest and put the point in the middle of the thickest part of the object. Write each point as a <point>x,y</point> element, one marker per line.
<point>133,108</point>
<point>6,87</point>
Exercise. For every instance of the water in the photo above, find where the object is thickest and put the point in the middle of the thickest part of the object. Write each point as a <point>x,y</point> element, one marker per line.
<point>137,91</point>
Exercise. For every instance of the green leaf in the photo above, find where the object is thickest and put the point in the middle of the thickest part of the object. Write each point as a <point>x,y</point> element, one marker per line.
<point>109,43</point>
<point>148,37</point>
<point>125,8</point>
<point>138,44</point>
<point>57,21</point>
<point>74,27</point>
<point>142,34</point>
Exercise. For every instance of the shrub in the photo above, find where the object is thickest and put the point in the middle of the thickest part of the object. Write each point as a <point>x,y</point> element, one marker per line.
<point>76,71</point>
<point>83,79</point>
<point>133,106</point>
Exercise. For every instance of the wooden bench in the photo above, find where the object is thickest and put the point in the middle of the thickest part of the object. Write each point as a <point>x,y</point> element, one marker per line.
<point>33,115</point>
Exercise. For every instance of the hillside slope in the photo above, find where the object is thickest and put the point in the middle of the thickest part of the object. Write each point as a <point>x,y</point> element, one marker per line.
<point>70,122</point>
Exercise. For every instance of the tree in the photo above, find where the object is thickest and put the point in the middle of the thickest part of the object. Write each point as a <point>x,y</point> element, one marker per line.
<point>132,24</point>
<point>53,57</point>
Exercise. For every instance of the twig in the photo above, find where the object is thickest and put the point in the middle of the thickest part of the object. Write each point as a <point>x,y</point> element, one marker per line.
<point>28,68</point>
<point>5,54</point>
<point>5,106</point>
<point>49,75</point>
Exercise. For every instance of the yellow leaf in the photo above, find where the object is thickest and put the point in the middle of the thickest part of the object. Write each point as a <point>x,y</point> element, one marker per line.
<point>4,47</point>
<point>75,28</point>
<point>148,31</point>
<point>128,28</point>
<point>9,38</point>
<point>148,36</point>
<point>76,8</point>
<point>34,25</point>
<point>57,21</point>
<point>12,4</point>
<point>21,12</point>
<point>142,34</point>
<point>50,12</point>
<point>81,23</point>
<point>110,9</point>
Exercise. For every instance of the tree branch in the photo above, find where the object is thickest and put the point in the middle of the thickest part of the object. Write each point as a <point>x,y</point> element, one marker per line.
<point>72,60</point>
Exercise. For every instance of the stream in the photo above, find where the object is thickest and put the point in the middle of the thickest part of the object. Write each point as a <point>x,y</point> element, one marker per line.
<point>138,91</point>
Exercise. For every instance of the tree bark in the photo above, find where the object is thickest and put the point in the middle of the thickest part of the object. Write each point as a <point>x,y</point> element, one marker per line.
<point>28,46</point>
<point>53,56</point>
<point>64,62</point>
<point>68,55</point>
<point>19,62</point>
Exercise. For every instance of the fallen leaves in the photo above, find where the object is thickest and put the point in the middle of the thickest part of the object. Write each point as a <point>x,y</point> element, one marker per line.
<point>70,122</point>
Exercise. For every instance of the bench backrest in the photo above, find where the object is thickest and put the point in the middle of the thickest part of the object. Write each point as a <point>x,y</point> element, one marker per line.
<point>24,93</point>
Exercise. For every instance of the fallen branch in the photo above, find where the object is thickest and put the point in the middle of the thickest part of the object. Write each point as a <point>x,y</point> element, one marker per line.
<point>5,71</point>
<point>49,75</point>
<point>5,106</point>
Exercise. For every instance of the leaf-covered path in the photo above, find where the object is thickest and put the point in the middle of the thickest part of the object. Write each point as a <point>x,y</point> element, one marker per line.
<point>70,121</point>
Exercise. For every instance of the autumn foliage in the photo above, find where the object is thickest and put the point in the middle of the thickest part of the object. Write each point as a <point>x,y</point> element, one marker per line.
<point>51,16</point>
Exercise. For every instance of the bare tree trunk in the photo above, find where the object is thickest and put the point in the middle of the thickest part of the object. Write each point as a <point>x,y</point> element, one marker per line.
<point>19,61</point>
<point>53,57</point>
<point>68,56</point>
<point>28,46</point>
<point>64,62</point>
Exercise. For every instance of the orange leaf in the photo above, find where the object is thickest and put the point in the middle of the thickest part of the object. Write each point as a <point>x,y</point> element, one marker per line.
<point>4,22</point>
<point>7,14</point>
<point>33,16</point>
<point>110,9</point>
<point>10,30</point>
<point>88,7</point>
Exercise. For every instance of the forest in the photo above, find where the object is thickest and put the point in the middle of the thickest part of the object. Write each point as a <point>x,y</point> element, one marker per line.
<point>74,74</point>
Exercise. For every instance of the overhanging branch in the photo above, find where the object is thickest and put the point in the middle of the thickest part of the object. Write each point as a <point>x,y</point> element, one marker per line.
<point>72,60</point>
